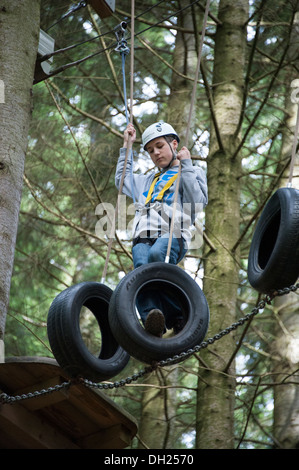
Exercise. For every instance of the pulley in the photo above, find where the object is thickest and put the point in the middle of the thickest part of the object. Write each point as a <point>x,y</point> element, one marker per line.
<point>120,33</point>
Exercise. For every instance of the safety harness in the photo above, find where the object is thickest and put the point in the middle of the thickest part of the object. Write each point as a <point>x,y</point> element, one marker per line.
<point>164,189</point>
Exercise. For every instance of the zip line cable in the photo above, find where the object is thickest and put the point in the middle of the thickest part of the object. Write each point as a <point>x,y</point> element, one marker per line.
<point>168,17</point>
<point>68,13</point>
<point>98,36</point>
<point>90,56</point>
<point>84,4</point>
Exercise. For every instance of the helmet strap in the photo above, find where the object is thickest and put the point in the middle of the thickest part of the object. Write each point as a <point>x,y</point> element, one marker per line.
<point>174,154</point>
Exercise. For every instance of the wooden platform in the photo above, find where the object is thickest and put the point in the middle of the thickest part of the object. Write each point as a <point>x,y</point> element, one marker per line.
<point>74,418</point>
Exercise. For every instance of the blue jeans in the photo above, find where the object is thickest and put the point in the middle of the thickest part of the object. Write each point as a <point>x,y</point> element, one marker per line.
<point>144,253</point>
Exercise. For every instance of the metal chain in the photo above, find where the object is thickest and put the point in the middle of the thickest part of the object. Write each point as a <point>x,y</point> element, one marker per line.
<point>184,355</point>
<point>4,398</point>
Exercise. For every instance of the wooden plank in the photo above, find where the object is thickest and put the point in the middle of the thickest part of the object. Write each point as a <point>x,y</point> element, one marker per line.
<point>31,431</point>
<point>115,437</point>
<point>103,412</point>
<point>20,372</point>
<point>76,416</point>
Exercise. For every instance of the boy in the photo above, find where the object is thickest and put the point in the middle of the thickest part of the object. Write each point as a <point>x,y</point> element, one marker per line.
<point>154,195</point>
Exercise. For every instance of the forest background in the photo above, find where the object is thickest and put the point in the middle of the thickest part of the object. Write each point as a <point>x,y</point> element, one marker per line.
<point>242,391</point>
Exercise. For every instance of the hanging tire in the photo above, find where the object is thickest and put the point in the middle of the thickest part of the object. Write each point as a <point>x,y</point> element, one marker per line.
<point>65,337</point>
<point>127,327</point>
<point>273,261</point>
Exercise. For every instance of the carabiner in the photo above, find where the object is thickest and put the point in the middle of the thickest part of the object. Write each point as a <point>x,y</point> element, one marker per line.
<point>120,33</point>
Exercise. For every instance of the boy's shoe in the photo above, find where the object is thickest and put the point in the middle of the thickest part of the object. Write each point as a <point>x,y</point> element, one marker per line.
<point>155,323</point>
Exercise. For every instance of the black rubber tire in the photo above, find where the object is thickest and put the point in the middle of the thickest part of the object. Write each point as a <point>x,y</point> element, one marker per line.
<point>128,329</point>
<point>69,349</point>
<point>273,261</point>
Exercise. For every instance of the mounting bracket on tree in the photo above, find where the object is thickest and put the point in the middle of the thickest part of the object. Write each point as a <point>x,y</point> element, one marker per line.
<point>42,67</point>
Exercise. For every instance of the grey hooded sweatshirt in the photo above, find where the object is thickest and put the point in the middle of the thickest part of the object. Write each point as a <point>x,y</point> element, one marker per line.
<point>153,220</point>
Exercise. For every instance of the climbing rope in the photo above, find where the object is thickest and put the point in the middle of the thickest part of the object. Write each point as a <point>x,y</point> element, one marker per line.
<point>123,59</point>
<point>289,185</point>
<point>9,399</point>
<point>122,47</point>
<point>204,26</point>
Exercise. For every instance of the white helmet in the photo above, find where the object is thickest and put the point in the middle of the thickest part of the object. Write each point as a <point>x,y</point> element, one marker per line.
<point>158,129</point>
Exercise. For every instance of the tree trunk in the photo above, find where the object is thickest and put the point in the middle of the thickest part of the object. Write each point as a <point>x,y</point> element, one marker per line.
<point>216,385</point>
<point>285,377</point>
<point>154,425</point>
<point>286,332</point>
<point>19,34</point>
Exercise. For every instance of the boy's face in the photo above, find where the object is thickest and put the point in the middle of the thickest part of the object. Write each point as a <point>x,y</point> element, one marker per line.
<point>160,151</point>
